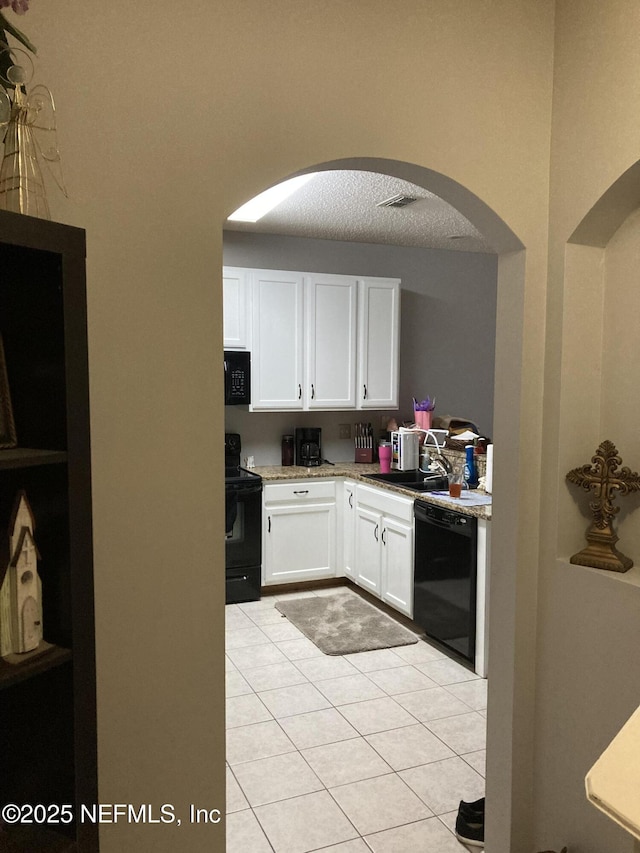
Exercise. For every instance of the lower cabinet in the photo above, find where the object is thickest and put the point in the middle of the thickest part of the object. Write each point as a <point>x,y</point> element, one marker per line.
<point>304,521</point>
<point>368,549</point>
<point>383,533</point>
<point>482,596</point>
<point>299,531</point>
<point>397,564</point>
<point>348,521</point>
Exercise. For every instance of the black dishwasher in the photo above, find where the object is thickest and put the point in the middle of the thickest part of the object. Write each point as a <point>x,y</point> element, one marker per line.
<point>444,595</point>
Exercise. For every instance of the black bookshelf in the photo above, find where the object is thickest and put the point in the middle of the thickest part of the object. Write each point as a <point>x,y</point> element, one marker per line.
<point>48,751</point>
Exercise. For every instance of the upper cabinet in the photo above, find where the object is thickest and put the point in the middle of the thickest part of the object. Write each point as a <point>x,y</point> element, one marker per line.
<point>235,288</point>
<point>330,342</point>
<point>318,342</point>
<point>277,348</point>
<point>379,343</point>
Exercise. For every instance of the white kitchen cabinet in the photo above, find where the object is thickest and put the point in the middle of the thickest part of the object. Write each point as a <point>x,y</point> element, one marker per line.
<point>304,341</point>
<point>235,288</point>
<point>299,531</point>
<point>483,562</point>
<point>277,340</point>
<point>349,529</point>
<point>397,564</point>
<point>384,546</point>
<point>378,343</point>
<point>318,342</point>
<point>368,556</point>
<point>330,342</point>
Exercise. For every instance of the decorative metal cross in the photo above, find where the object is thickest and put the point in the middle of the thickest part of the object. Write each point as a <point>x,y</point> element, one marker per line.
<point>604,481</point>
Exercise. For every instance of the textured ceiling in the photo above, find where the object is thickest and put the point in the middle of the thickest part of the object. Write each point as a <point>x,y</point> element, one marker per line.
<point>342,205</point>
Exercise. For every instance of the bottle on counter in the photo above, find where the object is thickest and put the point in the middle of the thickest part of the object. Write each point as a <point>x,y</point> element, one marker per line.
<point>470,469</point>
<point>287,449</point>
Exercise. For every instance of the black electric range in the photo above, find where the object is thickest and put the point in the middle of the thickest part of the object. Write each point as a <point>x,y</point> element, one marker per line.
<point>243,526</point>
<point>234,475</point>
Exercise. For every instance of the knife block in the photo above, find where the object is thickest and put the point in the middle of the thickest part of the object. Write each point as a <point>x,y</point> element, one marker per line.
<point>364,454</point>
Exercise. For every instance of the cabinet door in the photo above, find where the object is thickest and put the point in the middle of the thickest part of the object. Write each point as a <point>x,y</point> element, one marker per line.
<point>483,558</point>
<point>299,542</point>
<point>368,529</point>
<point>349,530</point>
<point>397,564</point>
<point>379,343</point>
<point>235,286</point>
<point>277,340</point>
<point>330,342</point>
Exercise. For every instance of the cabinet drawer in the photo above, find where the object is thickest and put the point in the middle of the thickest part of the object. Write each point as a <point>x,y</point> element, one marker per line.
<point>386,503</point>
<point>305,490</point>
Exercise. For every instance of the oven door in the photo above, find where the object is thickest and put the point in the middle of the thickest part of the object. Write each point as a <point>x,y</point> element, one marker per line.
<point>243,541</point>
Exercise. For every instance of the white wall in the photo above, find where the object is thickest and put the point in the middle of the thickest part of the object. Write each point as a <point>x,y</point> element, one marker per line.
<point>620,410</point>
<point>588,667</point>
<point>169,117</point>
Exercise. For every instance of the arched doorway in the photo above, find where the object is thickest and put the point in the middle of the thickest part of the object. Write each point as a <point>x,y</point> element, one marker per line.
<point>511,709</point>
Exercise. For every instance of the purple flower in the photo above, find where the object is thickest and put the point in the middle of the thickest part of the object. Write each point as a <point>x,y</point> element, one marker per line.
<point>7,28</point>
<point>427,405</point>
<point>18,6</point>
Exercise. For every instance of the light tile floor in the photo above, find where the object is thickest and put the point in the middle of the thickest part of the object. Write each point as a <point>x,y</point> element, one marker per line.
<point>352,754</point>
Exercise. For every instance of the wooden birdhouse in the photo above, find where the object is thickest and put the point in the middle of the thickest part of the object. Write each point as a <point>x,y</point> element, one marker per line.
<point>20,585</point>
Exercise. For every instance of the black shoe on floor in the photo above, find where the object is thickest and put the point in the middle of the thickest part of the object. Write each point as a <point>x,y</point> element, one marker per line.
<point>472,813</point>
<point>472,810</point>
<point>470,831</point>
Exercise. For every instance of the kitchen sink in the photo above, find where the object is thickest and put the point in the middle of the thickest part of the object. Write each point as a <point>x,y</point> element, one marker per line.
<point>398,477</point>
<point>415,480</point>
<point>433,484</point>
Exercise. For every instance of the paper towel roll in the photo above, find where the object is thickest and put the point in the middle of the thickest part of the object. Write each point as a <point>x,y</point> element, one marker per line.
<point>489,475</point>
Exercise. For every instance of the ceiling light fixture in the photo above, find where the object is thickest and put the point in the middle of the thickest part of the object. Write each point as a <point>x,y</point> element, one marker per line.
<point>262,204</point>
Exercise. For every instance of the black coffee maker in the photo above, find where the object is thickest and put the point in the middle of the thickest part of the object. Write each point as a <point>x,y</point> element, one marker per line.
<point>308,446</point>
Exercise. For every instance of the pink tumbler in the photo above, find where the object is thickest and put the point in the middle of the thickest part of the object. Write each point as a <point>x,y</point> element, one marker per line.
<point>384,455</point>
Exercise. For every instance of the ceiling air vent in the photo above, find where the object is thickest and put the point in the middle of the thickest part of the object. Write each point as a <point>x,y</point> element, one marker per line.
<point>397,201</point>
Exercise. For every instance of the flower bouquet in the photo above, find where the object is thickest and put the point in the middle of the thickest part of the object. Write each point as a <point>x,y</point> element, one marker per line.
<point>423,412</point>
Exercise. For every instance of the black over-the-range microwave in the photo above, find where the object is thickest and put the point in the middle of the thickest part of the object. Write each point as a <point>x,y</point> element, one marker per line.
<point>237,378</point>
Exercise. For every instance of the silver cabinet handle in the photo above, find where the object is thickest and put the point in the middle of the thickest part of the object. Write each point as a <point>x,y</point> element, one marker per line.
<point>301,492</point>
<point>375,532</point>
<point>351,499</point>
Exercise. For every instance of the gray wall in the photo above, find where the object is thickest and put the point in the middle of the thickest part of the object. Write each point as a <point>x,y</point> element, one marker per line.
<point>447,328</point>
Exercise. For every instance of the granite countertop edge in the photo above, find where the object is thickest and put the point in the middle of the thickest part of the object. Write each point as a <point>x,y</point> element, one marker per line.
<point>357,471</point>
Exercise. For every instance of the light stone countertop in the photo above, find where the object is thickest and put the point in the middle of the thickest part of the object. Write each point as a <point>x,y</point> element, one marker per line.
<point>355,471</point>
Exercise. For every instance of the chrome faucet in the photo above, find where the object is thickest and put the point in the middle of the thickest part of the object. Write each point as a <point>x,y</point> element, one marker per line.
<point>434,462</point>
<point>441,464</point>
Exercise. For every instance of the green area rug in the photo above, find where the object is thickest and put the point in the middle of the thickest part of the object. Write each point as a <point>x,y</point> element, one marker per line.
<point>344,623</point>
